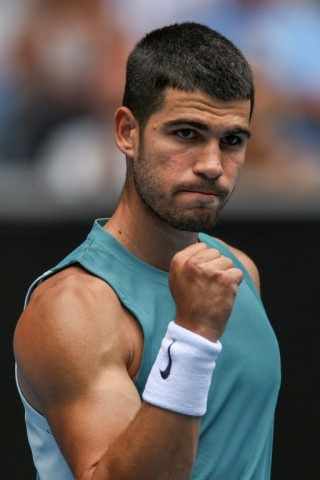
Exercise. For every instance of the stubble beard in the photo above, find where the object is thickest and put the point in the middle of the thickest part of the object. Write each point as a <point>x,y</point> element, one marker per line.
<point>155,203</point>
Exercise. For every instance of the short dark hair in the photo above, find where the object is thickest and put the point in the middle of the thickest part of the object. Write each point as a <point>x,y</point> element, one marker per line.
<point>185,56</point>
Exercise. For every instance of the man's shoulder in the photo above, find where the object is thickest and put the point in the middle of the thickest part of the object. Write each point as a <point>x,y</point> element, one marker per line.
<point>67,309</point>
<point>71,332</point>
<point>71,284</point>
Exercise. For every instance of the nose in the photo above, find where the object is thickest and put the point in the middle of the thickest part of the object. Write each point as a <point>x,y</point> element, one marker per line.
<point>209,162</point>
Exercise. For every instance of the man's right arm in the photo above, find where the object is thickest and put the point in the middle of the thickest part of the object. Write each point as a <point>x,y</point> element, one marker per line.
<point>75,357</point>
<point>75,362</point>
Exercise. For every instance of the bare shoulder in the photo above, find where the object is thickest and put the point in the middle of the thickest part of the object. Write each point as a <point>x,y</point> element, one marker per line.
<point>77,351</point>
<point>247,262</point>
<point>74,323</point>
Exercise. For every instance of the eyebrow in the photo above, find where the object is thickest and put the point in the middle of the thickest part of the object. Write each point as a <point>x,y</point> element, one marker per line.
<point>236,130</point>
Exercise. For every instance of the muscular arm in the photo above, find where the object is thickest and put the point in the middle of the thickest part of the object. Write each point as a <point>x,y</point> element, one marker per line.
<point>78,351</point>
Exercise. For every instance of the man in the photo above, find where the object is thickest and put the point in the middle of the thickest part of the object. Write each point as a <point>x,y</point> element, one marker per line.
<point>118,344</point>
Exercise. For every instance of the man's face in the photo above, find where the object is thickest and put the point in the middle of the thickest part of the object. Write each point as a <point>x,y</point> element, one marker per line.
<point>190,154</point>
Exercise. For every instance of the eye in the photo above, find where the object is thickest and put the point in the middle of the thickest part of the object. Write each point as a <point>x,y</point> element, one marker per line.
<point>186,133</point>
<point>232,140</point>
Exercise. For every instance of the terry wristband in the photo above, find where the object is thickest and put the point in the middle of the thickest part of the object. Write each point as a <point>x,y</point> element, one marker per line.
<point>181,375</point>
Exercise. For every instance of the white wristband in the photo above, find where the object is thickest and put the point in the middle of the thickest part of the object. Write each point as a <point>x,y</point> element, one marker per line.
<point>181,375</point>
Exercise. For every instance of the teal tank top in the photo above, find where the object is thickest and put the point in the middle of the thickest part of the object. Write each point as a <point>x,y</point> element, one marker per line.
<point>237,431</point>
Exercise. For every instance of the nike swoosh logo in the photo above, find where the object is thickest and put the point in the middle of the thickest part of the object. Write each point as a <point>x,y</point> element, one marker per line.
<point>166,372</point>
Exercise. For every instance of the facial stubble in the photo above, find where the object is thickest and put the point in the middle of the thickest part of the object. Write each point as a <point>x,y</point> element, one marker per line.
<point>154,200</point>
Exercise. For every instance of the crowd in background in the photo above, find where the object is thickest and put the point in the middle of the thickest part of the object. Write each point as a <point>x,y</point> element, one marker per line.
<point>62,67</point>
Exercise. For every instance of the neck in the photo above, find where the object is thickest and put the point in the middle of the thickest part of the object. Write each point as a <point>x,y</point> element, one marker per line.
<point>146,236</point>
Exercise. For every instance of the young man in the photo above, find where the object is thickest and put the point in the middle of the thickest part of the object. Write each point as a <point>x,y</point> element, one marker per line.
<point>118,344</point>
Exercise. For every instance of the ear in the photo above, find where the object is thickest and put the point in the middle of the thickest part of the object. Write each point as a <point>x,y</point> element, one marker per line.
<point>126,132</point>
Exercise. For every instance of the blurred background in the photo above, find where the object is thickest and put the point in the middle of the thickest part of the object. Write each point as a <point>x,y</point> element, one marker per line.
<point>62,67</point>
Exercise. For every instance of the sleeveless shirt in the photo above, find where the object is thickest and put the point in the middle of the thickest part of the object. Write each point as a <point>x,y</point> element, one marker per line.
<point>236,433</point>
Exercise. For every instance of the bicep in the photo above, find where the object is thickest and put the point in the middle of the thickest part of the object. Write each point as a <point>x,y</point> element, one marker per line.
<point>85,426</point>
<point>73,360</point>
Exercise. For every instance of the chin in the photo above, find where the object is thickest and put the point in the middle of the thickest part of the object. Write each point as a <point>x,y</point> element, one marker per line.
<point>191,224</point>
<point>192,220</point>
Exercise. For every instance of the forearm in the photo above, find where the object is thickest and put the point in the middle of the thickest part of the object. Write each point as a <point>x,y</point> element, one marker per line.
<point>157,444</point>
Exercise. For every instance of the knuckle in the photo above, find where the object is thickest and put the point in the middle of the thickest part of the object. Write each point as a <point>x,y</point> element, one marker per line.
<point>227,261</point>
<point>227,278</point>
<point>224,277</point>
<point>191,265</point>
<point>176,259</point>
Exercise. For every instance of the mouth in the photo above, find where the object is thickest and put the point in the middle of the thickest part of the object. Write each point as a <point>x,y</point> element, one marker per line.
<point>204,191</point>
<point>201,199</point>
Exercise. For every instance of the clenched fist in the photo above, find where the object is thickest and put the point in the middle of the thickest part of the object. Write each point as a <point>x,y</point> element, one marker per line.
<point>204,285</point>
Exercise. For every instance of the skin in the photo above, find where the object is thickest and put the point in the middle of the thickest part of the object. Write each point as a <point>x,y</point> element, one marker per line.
<point>78,349</point>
